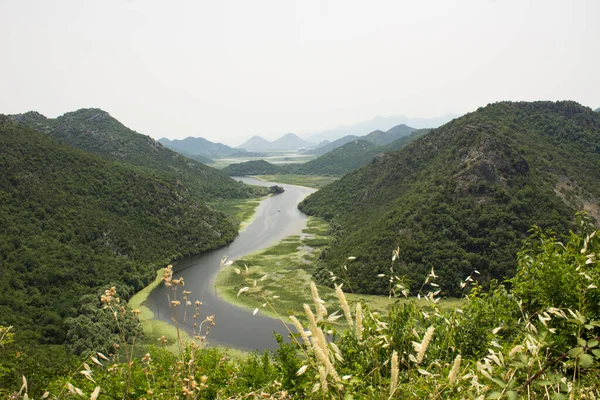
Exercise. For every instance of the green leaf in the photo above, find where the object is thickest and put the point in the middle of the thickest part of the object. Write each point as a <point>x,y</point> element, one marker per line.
<point>596,352</point>
<point>512,395</point>
<point>499,382</point>
<point>585,360</point>
<point>575,352</point>
<point>543,382</point>
<point>581,342</point>
<point>592,343</point>
<point>493,395</point>
<point>559,396</point>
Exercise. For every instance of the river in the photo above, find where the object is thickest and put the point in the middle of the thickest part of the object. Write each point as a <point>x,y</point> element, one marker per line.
<point>275,218</point>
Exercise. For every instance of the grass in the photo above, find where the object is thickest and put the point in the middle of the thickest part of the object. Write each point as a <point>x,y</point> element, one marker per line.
<point>299,180</point>
<point>286,270</point>
<point>241,210</point>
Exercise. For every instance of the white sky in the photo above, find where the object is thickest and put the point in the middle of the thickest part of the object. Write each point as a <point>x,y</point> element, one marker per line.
<point>226,70</point>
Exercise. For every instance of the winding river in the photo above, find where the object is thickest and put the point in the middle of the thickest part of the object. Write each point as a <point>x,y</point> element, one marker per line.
<point>275,218</point>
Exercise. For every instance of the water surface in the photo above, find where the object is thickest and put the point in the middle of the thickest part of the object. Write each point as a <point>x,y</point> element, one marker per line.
<point>276,218</point>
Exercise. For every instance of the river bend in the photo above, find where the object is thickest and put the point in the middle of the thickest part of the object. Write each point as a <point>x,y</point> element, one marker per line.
<point>275,218</point>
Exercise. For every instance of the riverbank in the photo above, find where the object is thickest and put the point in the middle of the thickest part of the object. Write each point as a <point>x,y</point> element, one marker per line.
<point>277,280</point>
<point>242,211</point>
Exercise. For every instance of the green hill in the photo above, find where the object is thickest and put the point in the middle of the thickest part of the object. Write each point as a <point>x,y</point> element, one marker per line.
<point>72,222</point>
<point>255,167</point>
<point>381,138</point>
<point>340,160</point>
<point>463,197</point>
<point>96,131</point>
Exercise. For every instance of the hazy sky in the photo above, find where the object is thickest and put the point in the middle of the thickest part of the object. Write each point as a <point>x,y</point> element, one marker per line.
<point>226,70</point>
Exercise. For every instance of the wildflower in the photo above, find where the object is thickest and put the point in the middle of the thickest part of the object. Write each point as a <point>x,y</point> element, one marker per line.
<point>395,371</point>
<point>454,371</point>
<point>301,331</point>
<point>421,348</point>
<point>359,327</point>
<point>344,304</point>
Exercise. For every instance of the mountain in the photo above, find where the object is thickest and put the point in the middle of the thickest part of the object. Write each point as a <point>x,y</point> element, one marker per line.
<point>256,143</point>
<point>198,148</point>
<point>378,123</point>
<point>327,147</point>
<point>462,197</point>
<point>340,160</point>
<point>352,155</point>
<point>95,131</point>
<point>289,141</point>
<point>597,109</point>
<point>378,138</point>
<point>73,223</point>
<point>381,138</point>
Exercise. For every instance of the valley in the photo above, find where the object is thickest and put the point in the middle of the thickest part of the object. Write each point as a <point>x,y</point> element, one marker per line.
<point>430,228</point>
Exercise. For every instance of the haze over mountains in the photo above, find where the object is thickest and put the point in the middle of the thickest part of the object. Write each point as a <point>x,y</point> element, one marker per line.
<point>204,150</point>
<point>379,123</point>
<point>336,162</point>
<point>289,141</point>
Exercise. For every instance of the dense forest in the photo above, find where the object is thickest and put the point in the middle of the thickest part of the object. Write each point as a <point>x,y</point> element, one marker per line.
<point>72,223</point>
<point>463,197</point>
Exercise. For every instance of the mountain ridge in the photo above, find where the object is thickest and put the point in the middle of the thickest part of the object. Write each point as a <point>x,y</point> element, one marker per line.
<point>95,131</point>
<point>462,197</point>
<point>289,141</point>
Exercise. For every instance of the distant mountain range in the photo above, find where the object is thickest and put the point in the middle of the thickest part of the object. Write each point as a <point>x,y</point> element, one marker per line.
<point>336,162</point>
<point>289,141</point>
<point>204,150</point>
<point>377,137</point>
<point>597,109</point>
<point>378,123</point>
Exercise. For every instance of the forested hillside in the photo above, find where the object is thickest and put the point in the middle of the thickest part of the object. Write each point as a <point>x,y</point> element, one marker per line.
<point>381,138</point>
<point>255,167</point>
<point>463,197</point>
<point>72,223</point>
<point>94,130</point>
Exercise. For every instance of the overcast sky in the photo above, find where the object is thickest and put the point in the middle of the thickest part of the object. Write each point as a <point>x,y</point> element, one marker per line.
<point>226,70</point>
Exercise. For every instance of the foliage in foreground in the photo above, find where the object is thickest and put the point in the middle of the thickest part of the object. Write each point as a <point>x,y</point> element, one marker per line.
<point>540,340</point>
